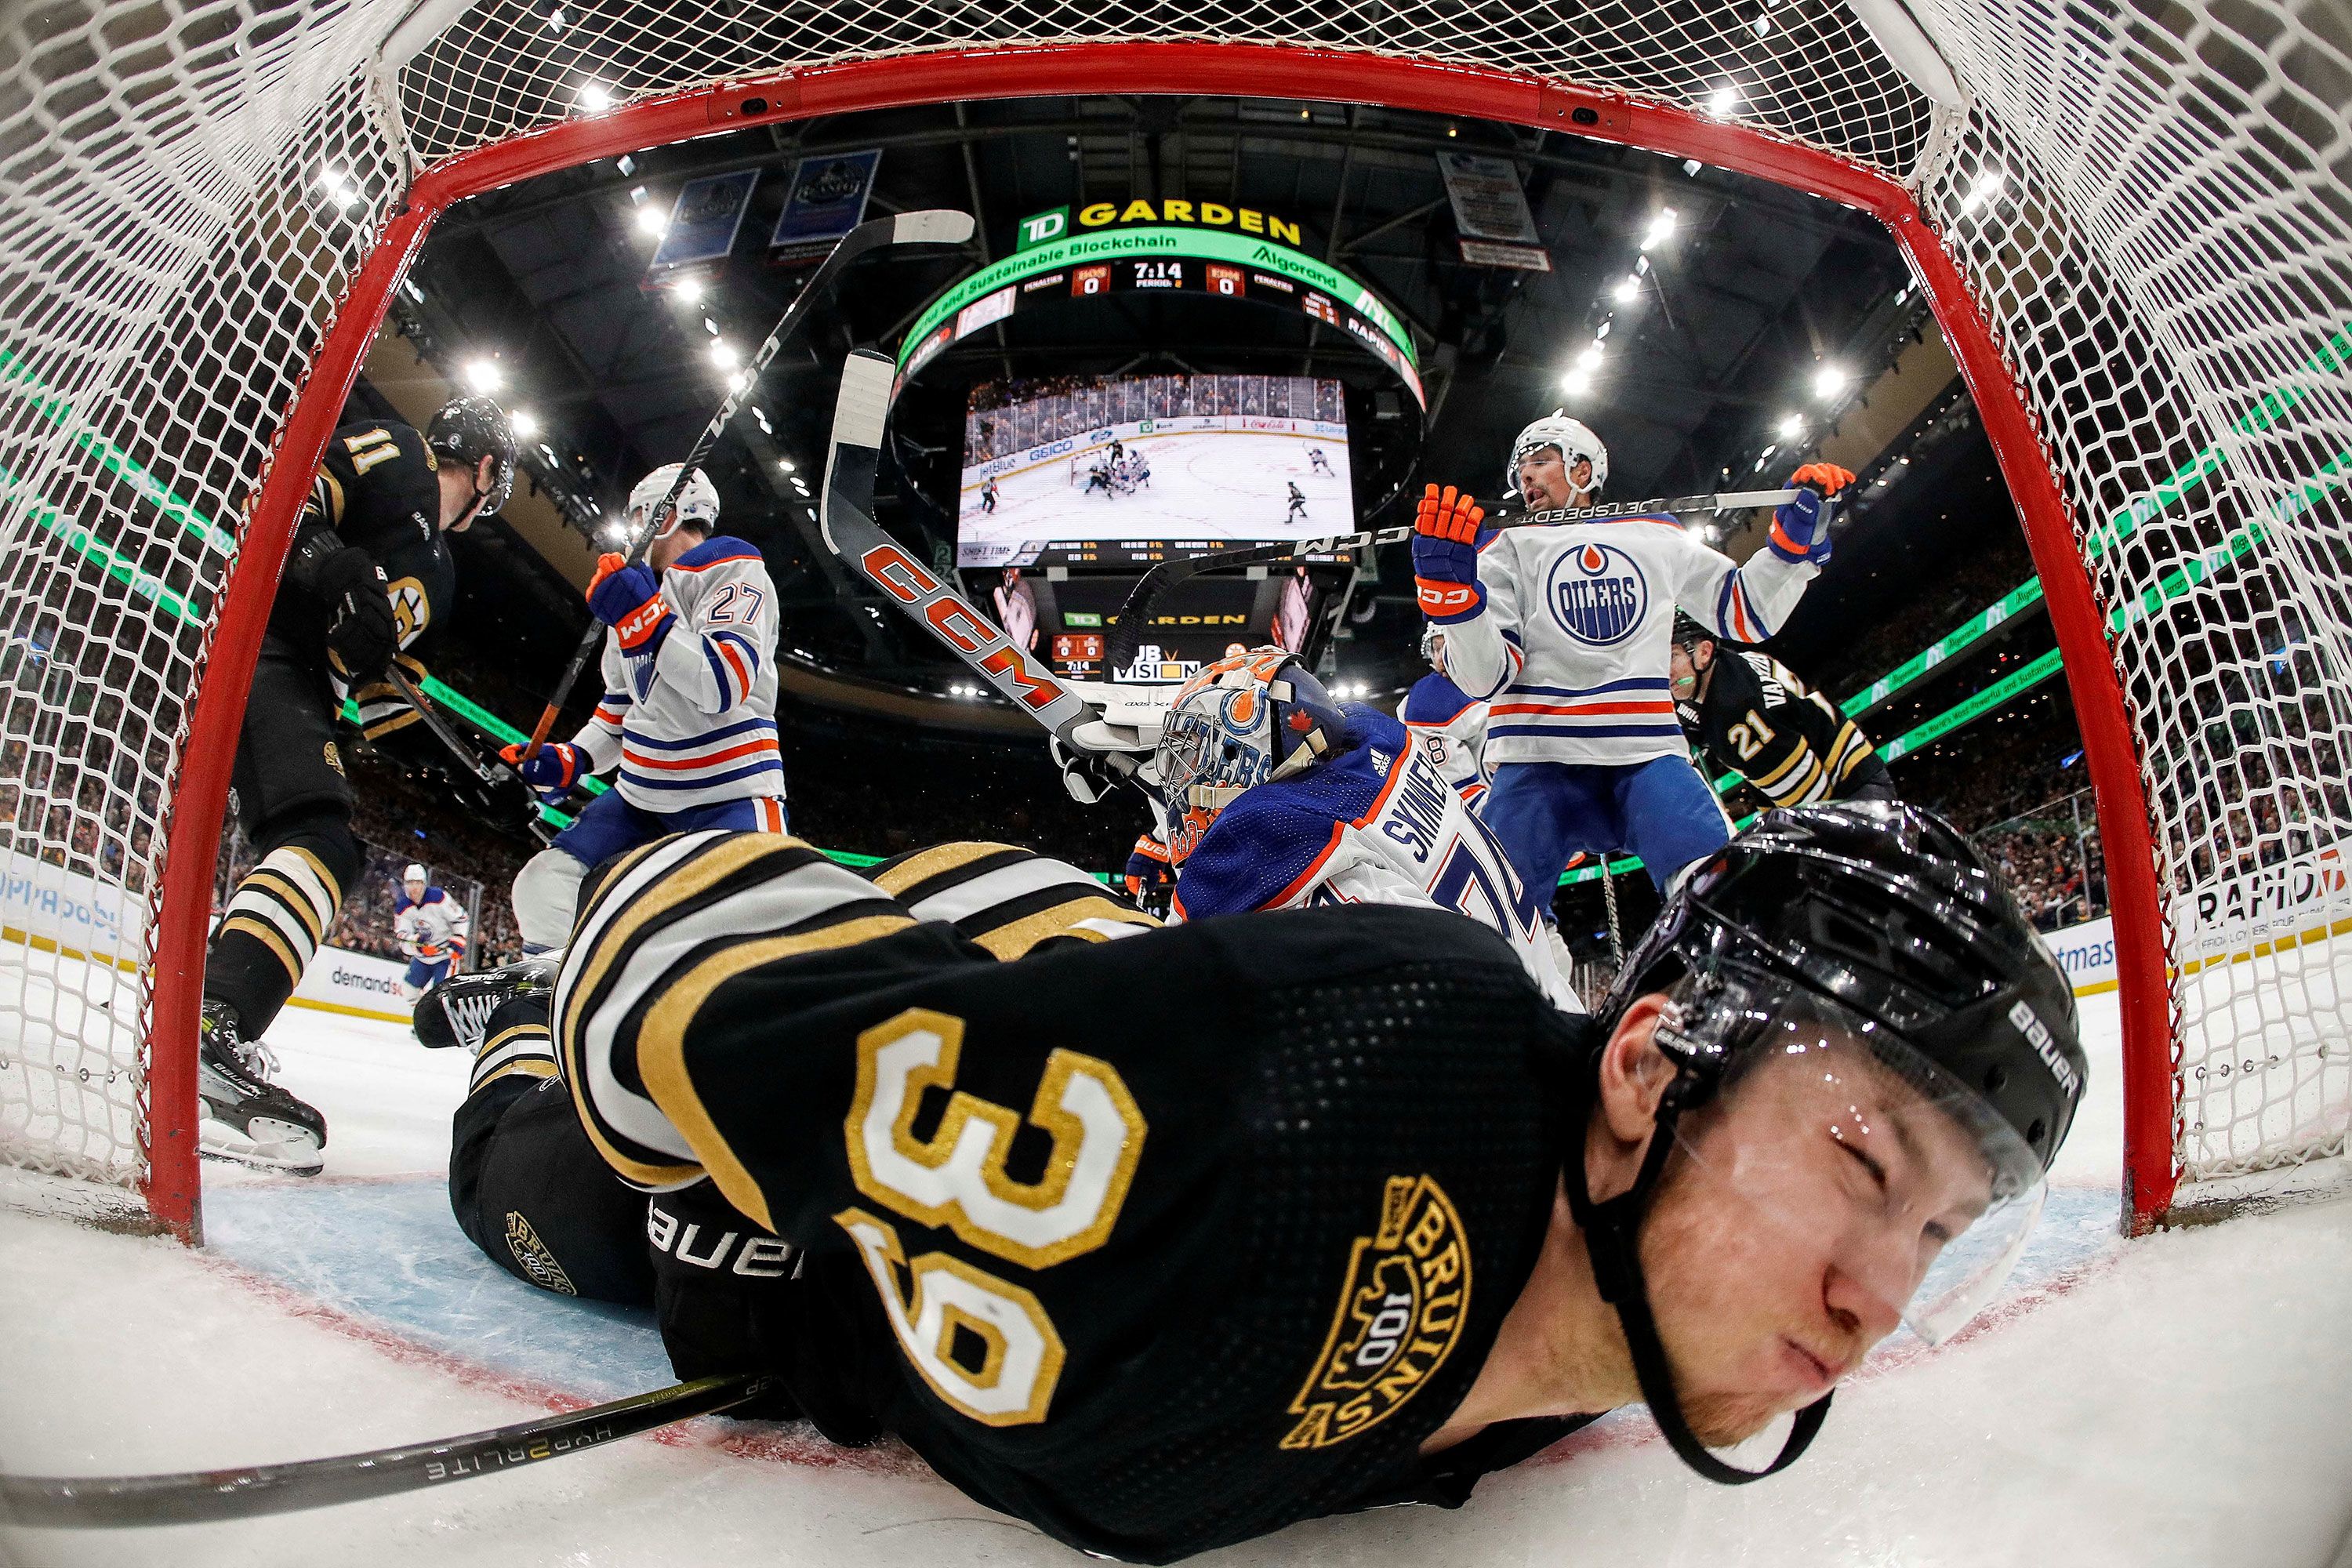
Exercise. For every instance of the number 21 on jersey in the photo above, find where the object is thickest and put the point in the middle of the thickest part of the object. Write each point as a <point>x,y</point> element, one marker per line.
<point>956,1179</point>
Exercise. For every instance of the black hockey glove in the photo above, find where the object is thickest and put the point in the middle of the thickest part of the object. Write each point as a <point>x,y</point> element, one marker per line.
<point>501,800</point>
<point>714,1270</point>
<point>362,632</point>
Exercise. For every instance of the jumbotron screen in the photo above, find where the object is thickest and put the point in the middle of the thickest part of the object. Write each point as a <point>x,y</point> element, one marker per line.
<point>1126,470</point>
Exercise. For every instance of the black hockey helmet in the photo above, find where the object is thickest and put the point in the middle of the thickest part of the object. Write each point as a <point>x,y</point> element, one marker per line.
<point>1886,909</point>
<point>467,429</point>
<point>1872,939</point>
<point>1689,634</point>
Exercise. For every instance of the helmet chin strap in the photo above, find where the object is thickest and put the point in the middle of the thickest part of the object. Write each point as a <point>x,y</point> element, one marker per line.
<point>1612,1241</point>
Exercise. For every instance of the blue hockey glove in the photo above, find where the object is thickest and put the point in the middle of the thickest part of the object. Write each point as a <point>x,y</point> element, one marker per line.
<point>1801,528</point>
<point>1445,557</point>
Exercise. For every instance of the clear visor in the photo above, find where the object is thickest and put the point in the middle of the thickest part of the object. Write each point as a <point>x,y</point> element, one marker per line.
<point>1857,1154</point>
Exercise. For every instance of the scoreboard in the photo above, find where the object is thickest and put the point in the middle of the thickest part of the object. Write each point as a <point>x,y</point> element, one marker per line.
<point>1164,257</point>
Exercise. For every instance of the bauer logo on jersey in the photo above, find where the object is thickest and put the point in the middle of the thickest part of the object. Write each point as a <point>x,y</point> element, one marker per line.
<point>1400,1315</point>
<point>1597,595</point>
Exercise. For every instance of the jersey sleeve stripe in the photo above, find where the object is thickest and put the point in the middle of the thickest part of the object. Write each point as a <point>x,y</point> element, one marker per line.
<point>631,948</point>
<point>661,1041</point>
<point>1082,918</point>
<point>911,877</point>
<point>970,897</point>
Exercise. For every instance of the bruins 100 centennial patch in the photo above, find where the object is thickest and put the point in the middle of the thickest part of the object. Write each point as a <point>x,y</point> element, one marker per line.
<point>1400,1313</point>
<point>536,1259</point>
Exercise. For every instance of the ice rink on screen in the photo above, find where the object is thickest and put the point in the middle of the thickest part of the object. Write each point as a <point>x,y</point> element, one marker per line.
<point>1207,484</point>
<point>2185,1400</point>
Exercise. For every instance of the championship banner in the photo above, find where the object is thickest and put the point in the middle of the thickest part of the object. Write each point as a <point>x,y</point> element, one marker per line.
<point>1487,201</point>
<point>704,221</point>
<point>828,199</point>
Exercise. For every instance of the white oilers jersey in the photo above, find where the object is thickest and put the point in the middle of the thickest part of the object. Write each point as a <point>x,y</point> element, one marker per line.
<point>1376,824</point>
<point>1572,645</point>
<point>692,719</point>
<point>432,929</point>
<point>1452,729</point>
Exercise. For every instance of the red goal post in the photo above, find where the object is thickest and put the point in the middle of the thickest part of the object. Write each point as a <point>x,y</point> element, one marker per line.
<point>2076,339</point>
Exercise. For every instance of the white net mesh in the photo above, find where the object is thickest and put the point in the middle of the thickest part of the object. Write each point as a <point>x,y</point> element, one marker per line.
<point>167,265</point>
<point>2157,212</point>
<point>2150,200</point>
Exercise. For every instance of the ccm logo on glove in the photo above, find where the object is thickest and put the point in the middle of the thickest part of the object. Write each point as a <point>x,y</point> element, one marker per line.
<point>627,598</point>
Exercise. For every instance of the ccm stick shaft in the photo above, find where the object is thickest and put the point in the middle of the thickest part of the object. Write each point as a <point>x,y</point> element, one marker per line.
<point>198,1497</point>
<point>932,226</point>
<point>846,518</point>
<point>1156,584</point>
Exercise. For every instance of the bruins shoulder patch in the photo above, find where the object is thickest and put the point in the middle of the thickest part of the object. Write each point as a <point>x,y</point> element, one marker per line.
<point>535,1258</point>
<point>1400,1315</point>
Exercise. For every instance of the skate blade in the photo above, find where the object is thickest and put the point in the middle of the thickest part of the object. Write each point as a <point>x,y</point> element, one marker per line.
<point>268,1144</point>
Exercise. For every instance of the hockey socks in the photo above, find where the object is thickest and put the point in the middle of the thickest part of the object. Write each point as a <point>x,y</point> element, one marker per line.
<point>279,914</point>
<point>515,1042</point>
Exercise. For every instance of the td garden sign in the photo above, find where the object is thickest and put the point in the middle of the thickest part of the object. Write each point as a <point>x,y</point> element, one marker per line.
<point>1142,246</point>
<point>1045,227</point>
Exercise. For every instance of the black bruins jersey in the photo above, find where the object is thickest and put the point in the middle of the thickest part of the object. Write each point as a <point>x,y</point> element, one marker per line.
<point>1760,722</point>
<point>1159,1241</point>
<point>376,490</point>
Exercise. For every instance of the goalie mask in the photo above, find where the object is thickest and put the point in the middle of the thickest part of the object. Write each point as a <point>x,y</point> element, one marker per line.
<point>697,503</point>
<point>1574,439</point>
<point>1248,719</point>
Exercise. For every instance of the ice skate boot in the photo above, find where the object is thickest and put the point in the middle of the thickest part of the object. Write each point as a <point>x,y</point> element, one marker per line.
<point>247,1118</point>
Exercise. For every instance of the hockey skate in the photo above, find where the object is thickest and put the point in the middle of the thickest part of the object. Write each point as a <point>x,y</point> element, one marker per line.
<point>247,1118</point>
<point>456,1011</point>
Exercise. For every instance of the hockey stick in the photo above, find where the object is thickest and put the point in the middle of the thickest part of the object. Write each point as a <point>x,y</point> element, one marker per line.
<point>444,733</point>
<point>846,520</point>
<point>1156,584</point>
<point>199,1496</point>
<point>448,737</point>
<point>938,226</point>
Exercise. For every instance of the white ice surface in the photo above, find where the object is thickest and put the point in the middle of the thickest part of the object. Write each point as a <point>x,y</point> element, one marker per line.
<point>2184,1400</point>
<point>1226,484</point>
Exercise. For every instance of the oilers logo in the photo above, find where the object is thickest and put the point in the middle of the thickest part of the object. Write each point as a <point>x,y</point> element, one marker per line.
<point>1597,595</point>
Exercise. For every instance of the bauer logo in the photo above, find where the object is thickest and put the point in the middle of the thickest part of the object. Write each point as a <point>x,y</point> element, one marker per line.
<point>2037,1034</point>
<point>1597,595</point>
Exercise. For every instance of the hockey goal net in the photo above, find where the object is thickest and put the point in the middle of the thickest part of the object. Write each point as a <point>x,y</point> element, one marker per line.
<point>2134,220</point>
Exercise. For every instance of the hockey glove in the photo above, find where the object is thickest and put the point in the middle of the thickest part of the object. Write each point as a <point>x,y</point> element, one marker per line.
<point>1445,557</point>
<point>628,599</point>
<point>362,634</point>
<point>553,773</point>
<point>499,801</point>
<point>1801,528</point>
<point>720,1293</point>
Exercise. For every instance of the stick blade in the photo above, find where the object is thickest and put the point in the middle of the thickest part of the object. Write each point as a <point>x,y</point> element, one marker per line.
<point>933,226</point>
